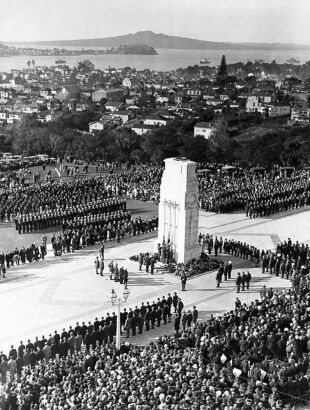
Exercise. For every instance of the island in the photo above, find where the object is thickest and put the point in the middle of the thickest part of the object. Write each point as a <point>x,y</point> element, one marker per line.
<point>134,49</point>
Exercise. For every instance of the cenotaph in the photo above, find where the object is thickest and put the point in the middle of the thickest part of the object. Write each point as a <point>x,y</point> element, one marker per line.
<point>179,209</point>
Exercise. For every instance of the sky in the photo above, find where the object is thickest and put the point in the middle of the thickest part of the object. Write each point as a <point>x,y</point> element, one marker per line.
<point>270,21</point>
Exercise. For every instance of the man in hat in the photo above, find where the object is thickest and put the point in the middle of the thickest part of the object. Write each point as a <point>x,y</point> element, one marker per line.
<point>97,265</point>
<point>238,282</point>
<point>195,314</point>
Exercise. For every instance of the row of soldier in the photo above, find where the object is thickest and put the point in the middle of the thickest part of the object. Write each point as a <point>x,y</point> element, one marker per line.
<point>49,196</point>
<point>99,332</point>
<point>115,273</point>
<point>219,191</point>
<point>257,195</point>
<point>32,253</point>
<point>290,260</point>
<point>79,234</point>
<point>47,219</point>
<point>210,243</point>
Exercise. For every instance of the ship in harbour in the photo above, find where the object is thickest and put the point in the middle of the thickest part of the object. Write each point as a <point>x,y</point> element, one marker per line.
<point>205,61</point>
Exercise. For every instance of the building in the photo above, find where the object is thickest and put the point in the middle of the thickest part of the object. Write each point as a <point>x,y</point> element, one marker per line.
<point>252,103</point>
<point>274,110</point>
<point>96,126</point>
<point>113,106</point>
<point>82,106</point>
<point>125,116</point>
<point>3,116</point>
<point>300,115</point>
<point>48,116</point>
<point>194,92</point>
<point>70,92</point>
<point>155,120</point>
<point>14,117</point>
<point>162,99</point>
<point>141,129</point>
<point>113,94</point>
<point>204,129</point>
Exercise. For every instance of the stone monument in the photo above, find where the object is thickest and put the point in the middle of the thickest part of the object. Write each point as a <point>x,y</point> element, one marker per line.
<point>179,209</point>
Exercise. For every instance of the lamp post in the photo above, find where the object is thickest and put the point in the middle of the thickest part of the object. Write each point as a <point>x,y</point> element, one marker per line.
<point>116,300</point>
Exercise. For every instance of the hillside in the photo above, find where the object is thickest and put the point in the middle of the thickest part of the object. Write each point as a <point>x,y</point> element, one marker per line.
<point>164,41</point>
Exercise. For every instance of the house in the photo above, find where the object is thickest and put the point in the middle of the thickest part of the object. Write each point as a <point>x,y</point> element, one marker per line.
<point>252,103</point>
<point>131,100</point>
<point>194,92</point>
<point>4,96</point>
<point>300,115</point>
<point>3,116</point>
<point>45,93</point>
<point>214,102</point>
<point>126,83</point>
<point>155,120</point>
<point>68,92</point>
<point>48,116</point>
<point>162,99</point>
<point>178,97</point>
<point>277,110</point>
<point>205,129</point>
<point>30,109</point>
<point>112,94</point>
<point>96,126</point>
<point>113,106</point>
<point>82,106</point>
<point>14,117</point>
<point>125,116</point>
<point>141,129</point>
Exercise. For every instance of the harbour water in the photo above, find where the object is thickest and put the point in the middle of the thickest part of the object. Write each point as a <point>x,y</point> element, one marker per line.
<point>166,59</point>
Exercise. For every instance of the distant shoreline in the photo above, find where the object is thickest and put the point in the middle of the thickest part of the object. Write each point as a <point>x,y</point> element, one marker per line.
<point>137,49</point>
<point>164,41</point>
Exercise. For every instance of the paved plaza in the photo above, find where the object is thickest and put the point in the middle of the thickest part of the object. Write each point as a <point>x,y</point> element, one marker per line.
<point>43,296</point>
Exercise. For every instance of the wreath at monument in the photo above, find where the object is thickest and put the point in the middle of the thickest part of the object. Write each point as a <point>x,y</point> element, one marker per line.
<point>195,267</point>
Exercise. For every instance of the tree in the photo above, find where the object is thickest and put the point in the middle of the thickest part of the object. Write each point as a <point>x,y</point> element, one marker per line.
<point>85,66</point>
<point>219,141</point>
<point>127,142</point>
<point>33,63</point>
<point>222,72</point>
<point>28,63</point>
<point>54,144</point>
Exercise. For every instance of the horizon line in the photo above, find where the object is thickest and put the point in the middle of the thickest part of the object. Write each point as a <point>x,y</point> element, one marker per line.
<point>150,31</point>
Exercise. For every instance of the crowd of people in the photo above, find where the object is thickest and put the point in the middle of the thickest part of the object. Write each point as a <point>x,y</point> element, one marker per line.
<point>88,231</point>
<point>87,337</point>
<point>20,256</point>
<point>255,356</point>
<point>139,182</point>
<point>210,243</point>
<point>79,233</point>
<point>257,194</point>
<point>288,260</point>
<point>50,196</point>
